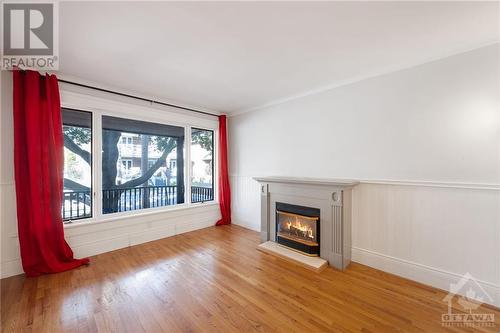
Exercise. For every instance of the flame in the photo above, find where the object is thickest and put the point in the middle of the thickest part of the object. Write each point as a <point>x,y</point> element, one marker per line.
<point>302,227</point>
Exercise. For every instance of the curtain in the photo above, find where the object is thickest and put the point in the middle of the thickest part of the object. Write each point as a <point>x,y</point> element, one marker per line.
<point>224,188</point>
<point>38,165</point>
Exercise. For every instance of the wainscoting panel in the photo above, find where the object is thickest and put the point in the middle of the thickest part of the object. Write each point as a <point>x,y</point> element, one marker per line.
<point>11,263</point>
<point>245,200</point>
<point>424,274</point>
<point>93,239</point>
<point>426,232</point>
<point>451,229</point>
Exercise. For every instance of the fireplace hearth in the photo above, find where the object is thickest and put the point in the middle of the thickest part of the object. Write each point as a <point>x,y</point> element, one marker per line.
<point>298,228</point>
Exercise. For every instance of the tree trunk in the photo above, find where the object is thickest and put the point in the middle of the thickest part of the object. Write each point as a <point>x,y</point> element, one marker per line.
<point>109,158</point>
<point>111,191</point>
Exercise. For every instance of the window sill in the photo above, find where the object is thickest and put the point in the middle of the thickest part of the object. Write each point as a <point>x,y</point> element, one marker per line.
<point>134,214</point>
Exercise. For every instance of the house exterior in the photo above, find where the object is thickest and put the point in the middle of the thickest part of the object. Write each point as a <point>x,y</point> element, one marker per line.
<point>129,162</point>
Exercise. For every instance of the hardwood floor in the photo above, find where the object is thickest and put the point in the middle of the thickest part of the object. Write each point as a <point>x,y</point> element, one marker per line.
<point>214,280</point>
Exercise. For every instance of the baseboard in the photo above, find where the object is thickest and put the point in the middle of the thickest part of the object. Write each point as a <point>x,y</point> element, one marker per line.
<point>421,273</point>
<point>88,249</point>
<point>246,225</point>
<point>11,267</point>
<point>116,243</point>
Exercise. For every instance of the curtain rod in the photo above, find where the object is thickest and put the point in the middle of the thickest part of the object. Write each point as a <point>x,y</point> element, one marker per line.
<point>137,97</point>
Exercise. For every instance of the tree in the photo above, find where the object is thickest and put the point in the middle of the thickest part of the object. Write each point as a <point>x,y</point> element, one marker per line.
<point>203,138</point>
<point>75,137</point>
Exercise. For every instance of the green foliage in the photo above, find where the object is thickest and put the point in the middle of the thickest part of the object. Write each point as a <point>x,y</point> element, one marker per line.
<point>81,136</point>
<point>78,135</point>
<point>203,138</point>
<point>164,143</point>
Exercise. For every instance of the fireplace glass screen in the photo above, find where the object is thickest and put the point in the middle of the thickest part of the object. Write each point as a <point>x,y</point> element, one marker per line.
<point>297,227</point>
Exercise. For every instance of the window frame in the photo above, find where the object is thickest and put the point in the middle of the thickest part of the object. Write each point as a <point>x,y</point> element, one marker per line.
<point>127,160</point>
<point>214,150</point>
<point>92,172</point>
<point>99,107</point>
<point>141,119</point>
<point>150,163</point>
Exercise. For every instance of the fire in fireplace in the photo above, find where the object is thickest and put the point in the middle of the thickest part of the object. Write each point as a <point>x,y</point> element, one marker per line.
<point>297,227</point>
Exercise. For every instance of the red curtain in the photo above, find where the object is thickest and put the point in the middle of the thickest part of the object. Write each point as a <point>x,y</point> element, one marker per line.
<point>38,164</point>
<point>224,188</point>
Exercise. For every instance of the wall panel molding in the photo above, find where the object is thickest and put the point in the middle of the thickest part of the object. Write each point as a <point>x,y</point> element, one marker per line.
<point>425,232</point>
<point>423,183</point>
<point>432,276</point>
<point>468,186</point>
<point>93,242</point>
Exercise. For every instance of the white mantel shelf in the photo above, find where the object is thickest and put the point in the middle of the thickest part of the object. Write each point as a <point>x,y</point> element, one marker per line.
<point>307,181</point>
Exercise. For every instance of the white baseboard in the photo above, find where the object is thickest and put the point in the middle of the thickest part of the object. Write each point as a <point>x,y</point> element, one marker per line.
<point>101,246</point>
<point>246,224</point>
<point>11,267</point>
<point>116,243</point>
<point>417,272</point>
<point>88,249</point>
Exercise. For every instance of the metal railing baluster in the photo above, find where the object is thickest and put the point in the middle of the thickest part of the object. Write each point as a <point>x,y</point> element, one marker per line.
<point>127,199</point>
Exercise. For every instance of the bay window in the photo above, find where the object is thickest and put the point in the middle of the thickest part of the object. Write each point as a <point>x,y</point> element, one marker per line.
<point>141,165</point>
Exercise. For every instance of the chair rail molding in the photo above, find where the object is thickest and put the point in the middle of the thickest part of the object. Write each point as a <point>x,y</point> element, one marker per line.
<point>397,225</point>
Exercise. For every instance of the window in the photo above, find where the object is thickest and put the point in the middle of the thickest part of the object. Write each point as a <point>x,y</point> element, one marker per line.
<point>127,140</point>
<point>138,176</point>
<point>202,168</point>
<point>127,164</point>
<point>141,165</point>
<point>77,198</point>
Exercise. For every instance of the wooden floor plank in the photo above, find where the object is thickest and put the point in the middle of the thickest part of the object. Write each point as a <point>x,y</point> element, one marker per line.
<point>215,280</point>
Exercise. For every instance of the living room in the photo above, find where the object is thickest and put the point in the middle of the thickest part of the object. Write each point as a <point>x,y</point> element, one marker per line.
<point>250,166</point>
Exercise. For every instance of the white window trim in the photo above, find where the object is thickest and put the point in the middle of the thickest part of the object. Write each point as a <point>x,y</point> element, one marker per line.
<point>215,166</point>
<point>162,115</point>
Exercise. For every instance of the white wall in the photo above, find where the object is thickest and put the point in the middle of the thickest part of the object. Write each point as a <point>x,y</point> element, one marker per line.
<point>9,248</point>
<point>426,143</point>
<point>105,233</point>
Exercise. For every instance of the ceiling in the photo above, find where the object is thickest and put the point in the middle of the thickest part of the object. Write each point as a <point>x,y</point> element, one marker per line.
<point>235,56</point>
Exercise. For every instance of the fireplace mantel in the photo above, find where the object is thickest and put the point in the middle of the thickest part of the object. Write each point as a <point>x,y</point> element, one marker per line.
<point>333,197</point>
<point>308,181</point>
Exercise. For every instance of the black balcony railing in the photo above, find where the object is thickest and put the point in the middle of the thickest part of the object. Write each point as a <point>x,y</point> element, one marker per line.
<point>201,194</point>
<point>133,198</point>
<point>77,205</point>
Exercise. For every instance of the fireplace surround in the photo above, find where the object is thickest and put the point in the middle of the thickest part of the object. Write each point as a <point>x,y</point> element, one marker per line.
<point>331,202</point>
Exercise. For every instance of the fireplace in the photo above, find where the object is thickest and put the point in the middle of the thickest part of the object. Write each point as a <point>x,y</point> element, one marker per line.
<point>332,197</point>
<point>297,227</point>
